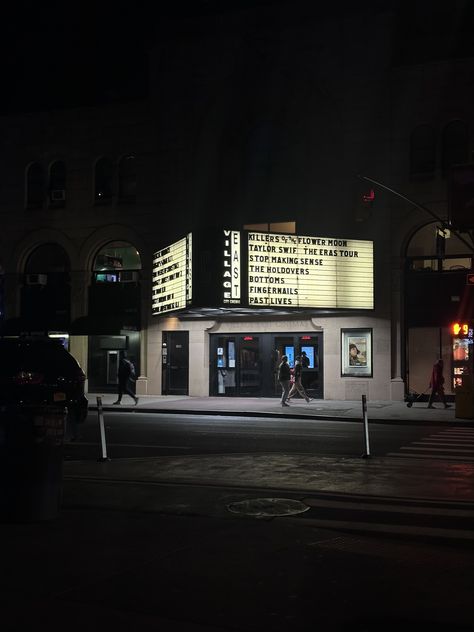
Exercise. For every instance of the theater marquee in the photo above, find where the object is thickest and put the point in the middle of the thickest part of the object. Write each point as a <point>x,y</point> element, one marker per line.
<point>172,277</point>
<point>273,270</point>
<point>298,271</point>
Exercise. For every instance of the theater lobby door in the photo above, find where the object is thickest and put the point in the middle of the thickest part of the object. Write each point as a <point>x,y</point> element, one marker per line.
<point>246,365</point>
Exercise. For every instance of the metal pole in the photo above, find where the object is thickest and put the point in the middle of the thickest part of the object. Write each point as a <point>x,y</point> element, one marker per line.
<point>103,442</point>
<point>443,222</point>
<point>366,428</point>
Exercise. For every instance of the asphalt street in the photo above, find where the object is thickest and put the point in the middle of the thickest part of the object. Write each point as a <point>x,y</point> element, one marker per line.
<point>134,434</point>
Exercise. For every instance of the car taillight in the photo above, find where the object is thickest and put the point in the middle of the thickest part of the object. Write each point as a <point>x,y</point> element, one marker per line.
<point>28,377</point>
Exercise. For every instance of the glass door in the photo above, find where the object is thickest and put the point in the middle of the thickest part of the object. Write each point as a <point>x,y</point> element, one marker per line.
<point>247,364</point>
<point>284,345</point>
<point>309,349</point>
<point>250,373</point>
<point>225,366</point>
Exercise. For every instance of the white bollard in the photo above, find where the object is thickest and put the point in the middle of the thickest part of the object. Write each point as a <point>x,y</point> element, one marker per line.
<point>366,428</point>
<point>103,442</point>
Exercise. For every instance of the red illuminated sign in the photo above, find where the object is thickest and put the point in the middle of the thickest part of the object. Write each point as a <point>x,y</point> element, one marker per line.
<point>248,337</point>
<point>305,337</point>
<point>460,329</point>
<point>369,196</point>
<point>470,279</point>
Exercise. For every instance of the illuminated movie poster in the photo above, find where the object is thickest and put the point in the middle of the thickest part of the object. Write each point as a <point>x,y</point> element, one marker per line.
<point>356,352</point>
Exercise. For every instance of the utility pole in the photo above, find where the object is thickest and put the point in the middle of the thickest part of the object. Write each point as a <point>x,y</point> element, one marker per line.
<point>421,207</point>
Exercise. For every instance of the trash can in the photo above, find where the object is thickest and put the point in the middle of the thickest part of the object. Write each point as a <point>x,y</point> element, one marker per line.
<point>464,398</point>
<point>31,462</point>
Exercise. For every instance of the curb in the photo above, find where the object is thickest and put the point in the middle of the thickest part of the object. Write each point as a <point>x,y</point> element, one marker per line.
<point>263,415</point>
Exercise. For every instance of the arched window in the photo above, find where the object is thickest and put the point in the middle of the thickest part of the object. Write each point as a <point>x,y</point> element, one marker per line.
<point>57,183</point>
<point>433,248</point>
<point>455,145</point>
<point>35,189</point>
<point>118,261</point>
<point>127,173</point>
<point>51,262</point>
<point>46,295</point>
<point>104,180</point>
<point>423,151</point>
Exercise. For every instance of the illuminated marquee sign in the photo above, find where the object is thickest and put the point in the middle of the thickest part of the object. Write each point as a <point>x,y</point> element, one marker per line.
<point>295,271</point>
<point>282,270</point>
<point>172,277</point>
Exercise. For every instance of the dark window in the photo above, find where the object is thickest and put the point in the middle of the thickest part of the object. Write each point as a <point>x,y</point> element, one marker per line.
<point>455,145</point>
<point>35,188</point>
<point>127,179</point>
<point>57,183</point>
<point>423,151</point>
<point>50,260</point>
<point>104,180</point>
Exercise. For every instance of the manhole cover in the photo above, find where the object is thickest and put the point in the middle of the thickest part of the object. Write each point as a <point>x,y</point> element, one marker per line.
<point>265,507</point>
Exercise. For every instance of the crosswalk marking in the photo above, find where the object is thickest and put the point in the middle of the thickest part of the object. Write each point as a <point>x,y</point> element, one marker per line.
<point>452,444</point>
<point>407,517</point>
<point>342,525</point>
<point>391,508</point>
<point>443,449</point>
<point>414,455</point>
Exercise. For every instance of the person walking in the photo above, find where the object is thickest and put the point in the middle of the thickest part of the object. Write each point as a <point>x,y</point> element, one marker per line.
<point>437,384</point>
<point>298,386</point>
<point>284,375</point>
<point>305,360</point>
<point>126,372</point>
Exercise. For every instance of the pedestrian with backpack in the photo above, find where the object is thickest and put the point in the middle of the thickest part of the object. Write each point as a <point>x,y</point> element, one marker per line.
<point>125,373</point>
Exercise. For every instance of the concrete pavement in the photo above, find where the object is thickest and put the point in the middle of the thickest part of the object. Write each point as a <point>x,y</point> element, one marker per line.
<point>270,407</point>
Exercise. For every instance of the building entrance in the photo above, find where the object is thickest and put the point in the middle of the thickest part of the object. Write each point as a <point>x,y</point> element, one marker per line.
<point>246,365</point>
<point>104,357</point>
<point>175,363</point>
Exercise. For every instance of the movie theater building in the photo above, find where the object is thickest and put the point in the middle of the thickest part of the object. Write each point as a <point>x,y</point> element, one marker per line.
<point>228,304</point>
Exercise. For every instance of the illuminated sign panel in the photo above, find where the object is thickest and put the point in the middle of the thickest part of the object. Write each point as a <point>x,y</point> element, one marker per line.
<point>461,329</point>
<point>172,277</point>
<point>307,272</point>
<point>231,271</point>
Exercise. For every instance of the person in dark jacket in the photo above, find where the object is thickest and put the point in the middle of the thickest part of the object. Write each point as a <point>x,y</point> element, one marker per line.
<point>437,384</point>
<point>125,373</point>
<point>284,375</point>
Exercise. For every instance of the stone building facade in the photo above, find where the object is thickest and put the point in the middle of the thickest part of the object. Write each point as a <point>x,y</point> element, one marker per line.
<point>262,118</point>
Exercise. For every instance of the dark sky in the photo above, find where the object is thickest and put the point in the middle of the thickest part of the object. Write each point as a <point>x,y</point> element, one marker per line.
<point>56,55</point>
<point>61,54</point>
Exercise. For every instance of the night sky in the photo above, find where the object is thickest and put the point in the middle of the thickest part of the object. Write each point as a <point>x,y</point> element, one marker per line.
<point>64,54</point>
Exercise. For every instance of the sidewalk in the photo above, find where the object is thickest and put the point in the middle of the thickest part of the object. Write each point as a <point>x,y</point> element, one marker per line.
<point>383,411</point>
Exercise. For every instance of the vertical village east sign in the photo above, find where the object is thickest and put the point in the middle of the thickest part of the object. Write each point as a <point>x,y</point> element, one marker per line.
<point>253,269</point>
